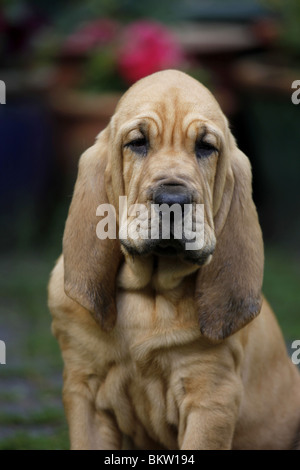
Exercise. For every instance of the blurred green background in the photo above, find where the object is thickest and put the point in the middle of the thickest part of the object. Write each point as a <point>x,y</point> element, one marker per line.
<point>65,64</point>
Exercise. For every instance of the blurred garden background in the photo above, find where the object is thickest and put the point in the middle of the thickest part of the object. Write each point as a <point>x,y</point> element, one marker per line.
<point>65,65</point>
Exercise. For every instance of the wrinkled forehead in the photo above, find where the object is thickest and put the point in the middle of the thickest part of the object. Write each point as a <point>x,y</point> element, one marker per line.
<point>170,97</point>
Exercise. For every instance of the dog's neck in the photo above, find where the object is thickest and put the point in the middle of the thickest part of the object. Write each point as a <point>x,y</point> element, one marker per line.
<point>160,273</point>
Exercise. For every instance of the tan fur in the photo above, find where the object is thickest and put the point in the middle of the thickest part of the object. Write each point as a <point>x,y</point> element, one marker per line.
<point>174,354</point>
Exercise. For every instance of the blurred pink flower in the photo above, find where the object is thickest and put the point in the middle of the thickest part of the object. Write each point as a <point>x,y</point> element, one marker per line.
<point>95,33</point>
<point>147,47</point>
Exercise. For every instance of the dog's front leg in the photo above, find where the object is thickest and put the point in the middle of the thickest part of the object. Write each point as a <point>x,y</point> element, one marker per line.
<point>89,429</point>
<point>206,430</point>
<point>208,420</point>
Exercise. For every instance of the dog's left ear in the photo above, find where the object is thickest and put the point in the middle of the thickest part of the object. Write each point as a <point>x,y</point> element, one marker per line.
<point>90,263</point>
<point>228,290</point>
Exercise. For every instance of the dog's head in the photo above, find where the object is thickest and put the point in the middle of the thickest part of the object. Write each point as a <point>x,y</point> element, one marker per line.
<point>169,177</point>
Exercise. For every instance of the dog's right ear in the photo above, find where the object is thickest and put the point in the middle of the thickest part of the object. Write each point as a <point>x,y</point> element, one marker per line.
<point>228,290</point>
<point>91,264</point>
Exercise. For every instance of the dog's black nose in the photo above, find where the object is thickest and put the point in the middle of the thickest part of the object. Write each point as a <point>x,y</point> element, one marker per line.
<point>172,194</point>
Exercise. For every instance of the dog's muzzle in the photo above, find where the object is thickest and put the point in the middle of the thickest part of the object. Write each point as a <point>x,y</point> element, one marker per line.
<point>173,226</point>
<point>170,194</point>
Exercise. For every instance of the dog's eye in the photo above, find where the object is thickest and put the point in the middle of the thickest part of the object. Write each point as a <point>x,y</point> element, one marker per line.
<point>204,149</point>
<point>139,146</point>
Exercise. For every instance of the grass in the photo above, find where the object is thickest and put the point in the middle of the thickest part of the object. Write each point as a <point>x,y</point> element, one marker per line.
<point>45,416</point>
<point>282,289</point>
<point>31,412</point>
<point>24,440</point>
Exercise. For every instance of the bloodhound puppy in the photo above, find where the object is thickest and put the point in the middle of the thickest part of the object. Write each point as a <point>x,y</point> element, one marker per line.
<point>173,348</point>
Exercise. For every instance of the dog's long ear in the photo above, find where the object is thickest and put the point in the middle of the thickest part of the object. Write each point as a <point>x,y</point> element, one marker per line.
<point>228,290</point>
<point>91,264</point>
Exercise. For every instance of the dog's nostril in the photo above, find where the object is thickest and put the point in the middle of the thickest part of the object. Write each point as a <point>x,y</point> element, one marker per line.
<point>170,199</point>
<point>172,194</point>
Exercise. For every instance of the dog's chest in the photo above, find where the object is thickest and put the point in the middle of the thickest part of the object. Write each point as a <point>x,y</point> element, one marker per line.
<point>143,386</point>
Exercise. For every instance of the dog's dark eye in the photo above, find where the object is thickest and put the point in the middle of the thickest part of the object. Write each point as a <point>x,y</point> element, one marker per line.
<point>139,146</point>
<point>204,149</point>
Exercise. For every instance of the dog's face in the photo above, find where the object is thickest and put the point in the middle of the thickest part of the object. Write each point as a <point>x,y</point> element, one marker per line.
<point>167,146</point>
<point>170,136</point>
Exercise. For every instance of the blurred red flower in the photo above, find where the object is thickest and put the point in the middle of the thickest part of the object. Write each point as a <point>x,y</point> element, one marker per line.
<point>93,34</point>
<point>147,47</point>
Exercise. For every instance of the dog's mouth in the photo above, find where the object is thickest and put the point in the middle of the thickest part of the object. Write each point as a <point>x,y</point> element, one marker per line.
<point>178,250</point>
<point>169,248</point>
<point>169,234</point>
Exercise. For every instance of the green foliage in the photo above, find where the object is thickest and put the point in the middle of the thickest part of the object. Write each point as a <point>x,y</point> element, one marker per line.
<point>291,18</point>
<point>23,440</point>
<point>281,287</point>
<point>101,72</point>
<point>289,14</point>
